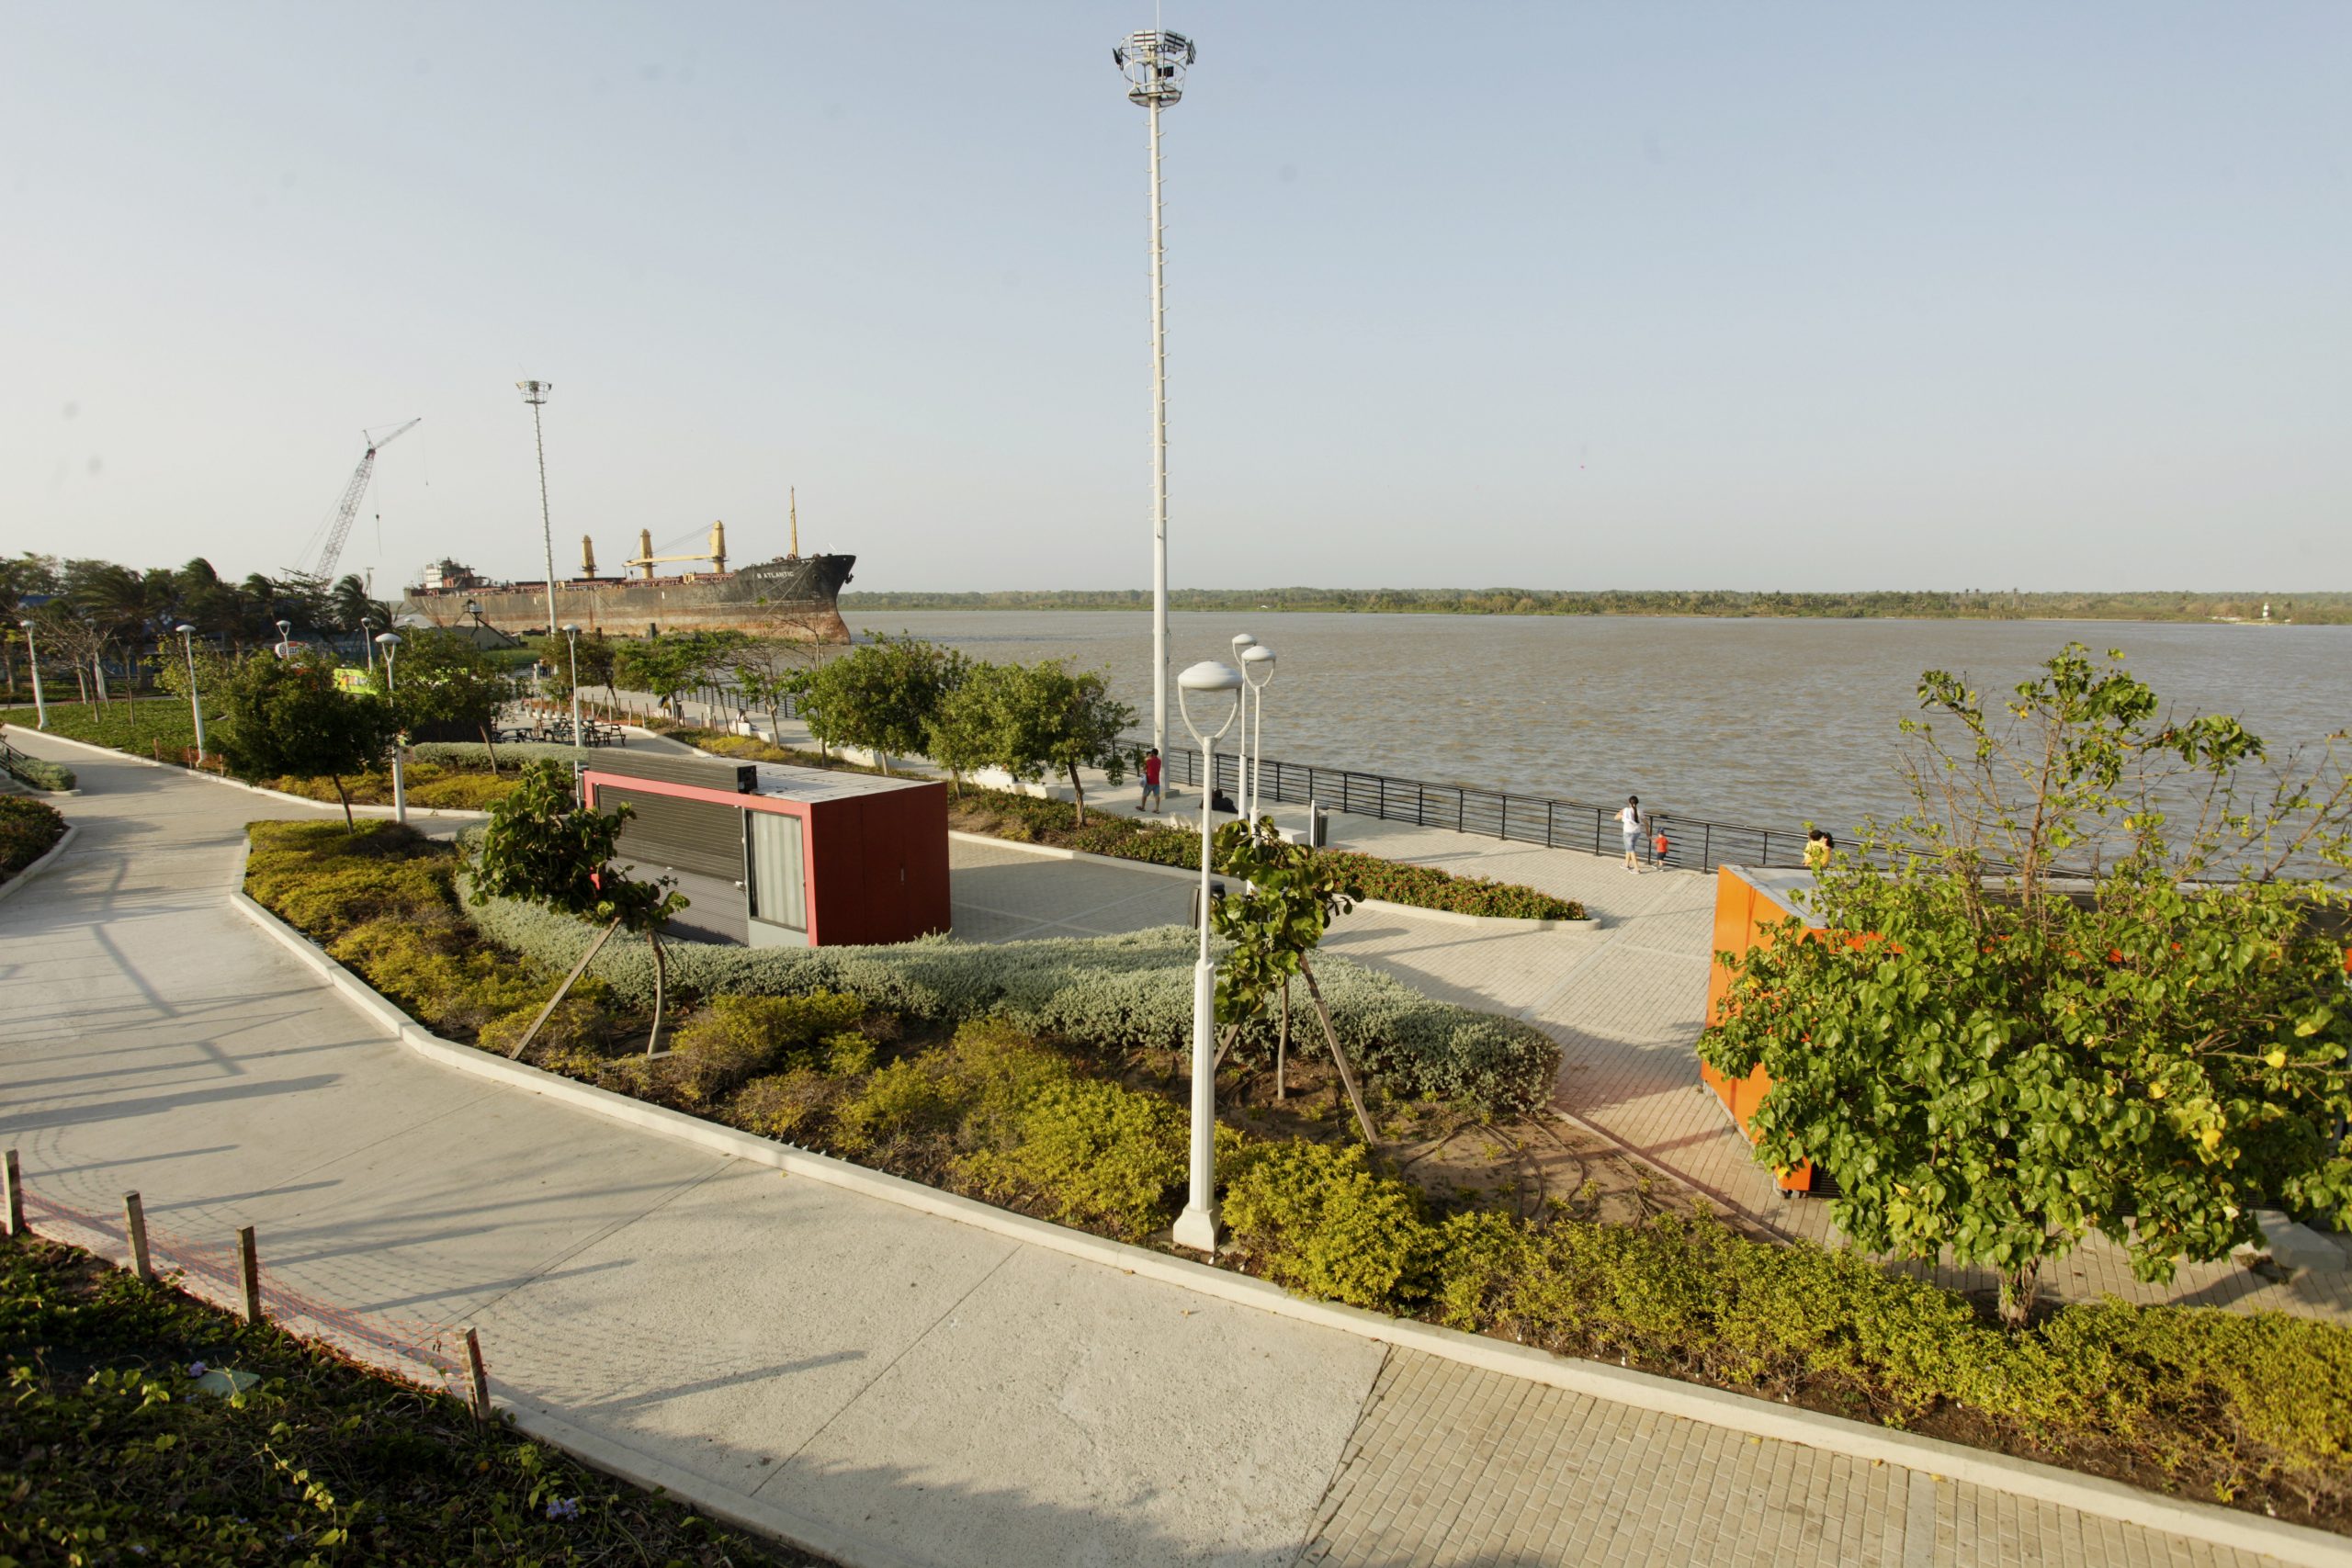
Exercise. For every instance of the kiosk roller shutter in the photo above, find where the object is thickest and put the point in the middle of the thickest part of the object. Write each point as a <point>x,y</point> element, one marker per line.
<point>671,834</point>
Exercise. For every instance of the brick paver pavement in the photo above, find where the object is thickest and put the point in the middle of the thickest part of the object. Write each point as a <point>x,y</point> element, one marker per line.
<point>1452,1467</point>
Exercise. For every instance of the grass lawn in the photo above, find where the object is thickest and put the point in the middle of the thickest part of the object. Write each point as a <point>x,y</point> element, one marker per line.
<point>112,1451</point>
<point>150,727</point>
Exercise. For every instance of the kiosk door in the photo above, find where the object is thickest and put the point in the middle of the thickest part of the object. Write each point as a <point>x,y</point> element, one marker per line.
<point>776,848</point>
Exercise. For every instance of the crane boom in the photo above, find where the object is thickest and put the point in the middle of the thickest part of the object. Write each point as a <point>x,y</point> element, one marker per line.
<point>339,528</point>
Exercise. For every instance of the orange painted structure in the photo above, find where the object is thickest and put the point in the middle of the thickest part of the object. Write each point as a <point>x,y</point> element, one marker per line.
<point>1750,907</point>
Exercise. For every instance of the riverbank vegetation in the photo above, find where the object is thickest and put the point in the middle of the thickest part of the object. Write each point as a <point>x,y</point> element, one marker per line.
<point>145,1427</point>
<point>2297,607</point>
<point>901,1059</point>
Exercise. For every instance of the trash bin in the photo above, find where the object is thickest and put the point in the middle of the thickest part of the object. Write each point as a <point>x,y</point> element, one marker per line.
<point>1217,891</point>
<point>1319,826</point>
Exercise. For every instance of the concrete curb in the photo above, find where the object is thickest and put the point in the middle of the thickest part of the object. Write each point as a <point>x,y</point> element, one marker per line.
<point>1372,906</point>
<point>2022,1478</point>
<point>357,809</point>
<point>41,864</point>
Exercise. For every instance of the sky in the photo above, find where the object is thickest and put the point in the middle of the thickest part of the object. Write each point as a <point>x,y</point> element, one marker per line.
<point>1784,297</point>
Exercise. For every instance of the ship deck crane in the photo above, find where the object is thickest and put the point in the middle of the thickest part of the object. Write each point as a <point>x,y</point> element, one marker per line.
<point>339,522</point>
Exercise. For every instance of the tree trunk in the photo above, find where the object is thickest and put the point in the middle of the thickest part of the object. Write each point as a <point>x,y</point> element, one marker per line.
<point>661,973</point>
<point>348,825</point>
<point>1339,1058</point>
<point>1078,792</point>
<point>491,749</point>
<point>2019,1287</point>
<point>563,991</point>
<point>1281,1040</point>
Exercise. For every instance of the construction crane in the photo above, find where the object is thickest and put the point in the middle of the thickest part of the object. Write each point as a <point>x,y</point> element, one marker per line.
<point>339,524</point>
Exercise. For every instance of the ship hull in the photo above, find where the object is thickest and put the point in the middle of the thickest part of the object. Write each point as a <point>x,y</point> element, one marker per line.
<point>790,597</point>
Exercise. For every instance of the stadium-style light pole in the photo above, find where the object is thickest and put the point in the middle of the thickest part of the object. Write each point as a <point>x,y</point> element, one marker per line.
<point>571,636</point>
<point>389,642</point>
<point>195,700</point>
<point>536,394</point>
<point>33,657</point>
<point>1154,65</point>
<point>1258,669</point>
<point>1196,1227</point>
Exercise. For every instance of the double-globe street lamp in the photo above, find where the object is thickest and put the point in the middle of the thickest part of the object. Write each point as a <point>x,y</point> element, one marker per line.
<point>1210,683</point>
<point>195,700</point>
<point>1258,669</point>
<point>33,657</point>
<point>389,642</point>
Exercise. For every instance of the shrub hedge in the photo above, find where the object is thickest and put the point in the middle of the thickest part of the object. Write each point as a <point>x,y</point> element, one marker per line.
<point>111,1454</point>
<point>28,829</point>
<point>39,772</point>
<point>430,785</point>
<point>1131,991</point>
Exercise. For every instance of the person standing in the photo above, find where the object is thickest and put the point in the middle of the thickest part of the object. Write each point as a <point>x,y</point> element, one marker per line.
<point>1150,801</point>
<point>1817,849</point>
<point>1629,822</point>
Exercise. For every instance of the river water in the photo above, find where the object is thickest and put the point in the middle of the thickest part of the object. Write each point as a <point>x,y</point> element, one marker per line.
<point>1771,723</point>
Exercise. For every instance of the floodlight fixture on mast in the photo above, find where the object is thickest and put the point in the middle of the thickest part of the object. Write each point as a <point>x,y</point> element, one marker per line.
<point>1154,65</point>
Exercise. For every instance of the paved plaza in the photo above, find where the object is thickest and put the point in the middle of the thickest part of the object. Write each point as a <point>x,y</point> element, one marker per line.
<point>913,1390</point>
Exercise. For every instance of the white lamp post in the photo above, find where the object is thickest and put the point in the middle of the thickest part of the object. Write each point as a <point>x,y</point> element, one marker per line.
<point>536,394</point>
<point>1154,65</point>
<point>1196,1226</point>
<point>195,700</point>
<point>389,642</point>
<point>1258,669</point>
<point>1242,643</point>
<point>366,642</point>
<point>571,636</point>
<point>285,649</point>
<point>33,657</point>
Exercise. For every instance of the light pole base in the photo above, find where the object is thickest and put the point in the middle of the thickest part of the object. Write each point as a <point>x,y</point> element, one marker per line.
<point>1196,1229</point>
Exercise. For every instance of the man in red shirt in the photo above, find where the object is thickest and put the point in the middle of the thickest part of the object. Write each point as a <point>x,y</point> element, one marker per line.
<point>1150,801</point>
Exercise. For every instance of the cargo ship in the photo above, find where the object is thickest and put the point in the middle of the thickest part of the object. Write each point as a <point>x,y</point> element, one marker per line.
<point>792,595</point>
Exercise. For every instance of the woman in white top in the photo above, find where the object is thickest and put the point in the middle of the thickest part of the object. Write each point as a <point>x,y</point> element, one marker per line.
<point>1630,819</point>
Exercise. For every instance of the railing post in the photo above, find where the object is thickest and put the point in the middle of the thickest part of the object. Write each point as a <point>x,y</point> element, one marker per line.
<point>1596,830</point>
<point>1419,790</point>
<point>1461,797</point>
<point>478,1377</point>
<point>1384,795</point>
<point>134,1226</point>
<point>249,1274</point>
<point>1707,848</point>
<point>1547,824</point>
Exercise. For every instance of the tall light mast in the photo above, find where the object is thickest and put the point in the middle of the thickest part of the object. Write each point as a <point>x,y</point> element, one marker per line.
<point>1154,65</point>
<point>536,394</point>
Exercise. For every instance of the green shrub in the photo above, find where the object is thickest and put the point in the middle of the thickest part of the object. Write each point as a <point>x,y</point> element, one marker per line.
<point>1088,1152</point>
<point>433,974</point>
<point>796,1106</point>
<point>849,1052</point>
<point>1130,990</point>
<point>39,772</point>
<point>324,880</point>
<point>29,829</point>
<point>903,1100</point>
<point>580,1026</point>
<point>1315,1217</point>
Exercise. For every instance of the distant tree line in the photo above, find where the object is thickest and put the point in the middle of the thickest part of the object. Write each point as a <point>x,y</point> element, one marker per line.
<point>1977,605</point>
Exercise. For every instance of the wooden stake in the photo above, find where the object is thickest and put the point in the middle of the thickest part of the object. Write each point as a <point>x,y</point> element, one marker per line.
<point>249,1273</point>
<point>1281,1041</point>
<point>134,1226</point>
<point>1340,1057</point>
<point>480,1378</point>
<point>562,991</point>
<point>15,1182</point>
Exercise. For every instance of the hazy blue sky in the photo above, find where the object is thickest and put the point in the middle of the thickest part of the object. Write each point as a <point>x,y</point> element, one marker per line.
<point>1766,295</point>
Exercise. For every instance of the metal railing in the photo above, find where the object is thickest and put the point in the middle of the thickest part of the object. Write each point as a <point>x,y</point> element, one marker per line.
<point>1692,843</point>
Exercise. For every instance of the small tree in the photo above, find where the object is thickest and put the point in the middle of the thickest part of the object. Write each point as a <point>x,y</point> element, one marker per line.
<point>286,717</point>
<point>2041,1010</point>
<point>1031,719</point>
<point>555,655</point>
<point>769,669</point>
<point>1290,896</point>
<point>542,846</point>
<point>669,667</point>
<point>444,678</point>
<point>884,694</point>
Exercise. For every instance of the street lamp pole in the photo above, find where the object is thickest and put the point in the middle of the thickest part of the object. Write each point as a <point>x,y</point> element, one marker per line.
<point>1242,643</point>
<point>33,657</point>
<point>1258,669</point>
<point>1196,1226</point>
<point>571,636</point>
<point>536,394</point>
<point>1154,65</point>
<point>389,642</point>
<point>194,702</point>
<point>367,641</point>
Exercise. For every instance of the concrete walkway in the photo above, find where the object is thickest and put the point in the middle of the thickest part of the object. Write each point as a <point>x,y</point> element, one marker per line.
<point>909,1389</point>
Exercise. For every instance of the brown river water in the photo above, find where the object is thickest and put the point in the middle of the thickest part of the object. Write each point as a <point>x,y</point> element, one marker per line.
<point>1769,723</point>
